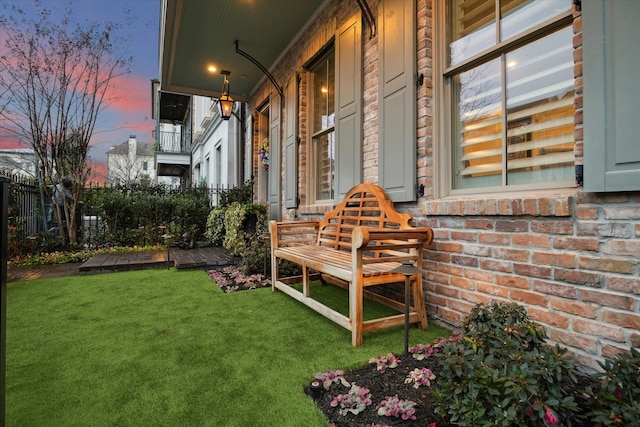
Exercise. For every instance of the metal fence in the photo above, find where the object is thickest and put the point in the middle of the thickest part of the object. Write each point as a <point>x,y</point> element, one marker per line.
<point>28,212</point>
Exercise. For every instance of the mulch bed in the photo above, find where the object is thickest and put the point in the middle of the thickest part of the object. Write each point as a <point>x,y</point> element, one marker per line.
<point>380,385</point>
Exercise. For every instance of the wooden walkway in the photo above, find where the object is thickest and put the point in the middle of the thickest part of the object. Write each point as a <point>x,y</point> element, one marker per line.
<point>178,258</point>
<point>103,263</point>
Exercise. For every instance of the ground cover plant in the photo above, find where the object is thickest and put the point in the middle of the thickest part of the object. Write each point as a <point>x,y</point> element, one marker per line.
<point>167,347</point>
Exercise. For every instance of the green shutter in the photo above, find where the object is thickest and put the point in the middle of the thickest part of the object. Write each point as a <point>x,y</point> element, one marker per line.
<point>274,156</point>
<point>291,144</point>
<point>611,95</point>
<point>348,125</point>
<point>397,99</point>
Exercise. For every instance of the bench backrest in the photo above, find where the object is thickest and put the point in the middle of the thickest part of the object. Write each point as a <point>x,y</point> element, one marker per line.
<point>364,205</point>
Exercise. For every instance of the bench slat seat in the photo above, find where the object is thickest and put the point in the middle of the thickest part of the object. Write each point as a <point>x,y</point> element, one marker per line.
<point>357,245</point>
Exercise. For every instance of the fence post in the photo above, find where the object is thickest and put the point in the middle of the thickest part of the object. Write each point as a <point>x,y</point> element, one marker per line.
<point>4,237</point>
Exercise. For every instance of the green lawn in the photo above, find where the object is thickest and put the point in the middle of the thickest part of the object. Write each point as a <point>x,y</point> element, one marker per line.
<point>168,348</point>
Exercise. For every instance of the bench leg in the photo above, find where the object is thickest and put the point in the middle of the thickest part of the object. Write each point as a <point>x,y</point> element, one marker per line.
<point>355,313</point>
<point>418,301</point>
<point>305,281</point>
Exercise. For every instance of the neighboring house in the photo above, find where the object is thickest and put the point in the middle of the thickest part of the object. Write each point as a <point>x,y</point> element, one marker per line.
<point>513,136</point>
<point>216,146</point>
<point>130,162</point>
<point>19,161</point>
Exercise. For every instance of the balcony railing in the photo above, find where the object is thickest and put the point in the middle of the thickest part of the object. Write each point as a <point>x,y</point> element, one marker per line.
<point>173,142</point>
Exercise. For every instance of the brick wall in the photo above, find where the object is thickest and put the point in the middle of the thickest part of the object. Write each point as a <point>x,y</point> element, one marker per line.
<point>571,258</point>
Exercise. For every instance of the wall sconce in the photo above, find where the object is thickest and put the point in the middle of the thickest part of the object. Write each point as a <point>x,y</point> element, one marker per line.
<point>225,102</point>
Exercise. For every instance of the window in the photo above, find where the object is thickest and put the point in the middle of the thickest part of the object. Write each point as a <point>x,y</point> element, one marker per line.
<point>510,90</point>
<point>145,166</point>
<point>322,120</point>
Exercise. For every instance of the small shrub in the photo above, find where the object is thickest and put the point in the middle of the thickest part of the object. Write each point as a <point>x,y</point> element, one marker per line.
<point>215,226</point>
<point>393,406</point>
<point>615,399</point>
<point>355,401</point>
<point>420,377</point>
<point>332,377</point>
<point>502,373</point>
<point>385,362</point>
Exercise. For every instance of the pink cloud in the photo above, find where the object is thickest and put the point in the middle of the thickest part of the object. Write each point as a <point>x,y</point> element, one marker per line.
<point>130,94</point>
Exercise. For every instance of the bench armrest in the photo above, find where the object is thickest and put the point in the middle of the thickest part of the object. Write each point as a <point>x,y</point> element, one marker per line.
<point>363,236</point>
<point>287,233</point>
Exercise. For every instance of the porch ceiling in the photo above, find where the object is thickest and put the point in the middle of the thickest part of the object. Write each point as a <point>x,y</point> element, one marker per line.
<point>197,34</point>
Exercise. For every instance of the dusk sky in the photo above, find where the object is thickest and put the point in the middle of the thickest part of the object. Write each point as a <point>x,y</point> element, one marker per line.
<point>131,114</point>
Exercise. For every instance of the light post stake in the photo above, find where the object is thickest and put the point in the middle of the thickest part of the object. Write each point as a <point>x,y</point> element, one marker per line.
<point>407,269</point>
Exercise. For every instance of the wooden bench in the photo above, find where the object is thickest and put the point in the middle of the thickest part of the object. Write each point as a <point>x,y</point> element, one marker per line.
<point>357,245</point>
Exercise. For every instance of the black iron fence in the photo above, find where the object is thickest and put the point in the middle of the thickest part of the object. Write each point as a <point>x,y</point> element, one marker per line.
<point>116,215</point>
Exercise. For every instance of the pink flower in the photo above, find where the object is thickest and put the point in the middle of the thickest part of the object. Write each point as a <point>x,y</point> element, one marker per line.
<point>550,417</point>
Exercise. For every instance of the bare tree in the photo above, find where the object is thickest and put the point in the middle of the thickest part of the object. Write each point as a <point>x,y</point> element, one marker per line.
<point>55,76</point>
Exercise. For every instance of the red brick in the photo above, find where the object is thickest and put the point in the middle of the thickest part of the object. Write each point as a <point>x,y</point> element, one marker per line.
<point>511,254</point>
<point>481,275</point>
<point>454,270</point>
<point>551,288</point>
<point>437,278</point>
<point>544,204</point>
<point>466,261</point>
<point>622,247</point>
<point>623,284</point>
<point>634,337</point>
<point>548,318</point>
<point>435,300</point>
<point>532,270</point>
<point>438,256</point>
<point>512,281</point>
<point>451,247</point>
<point>461,306</point>
<point>495,238</point>
<point>613,265</point>
<point>590,327</point>
<point>478,224</point>
<point>531,207</point>
<point>446,291</point>
<point>462,282</point>
<point>528,297</point>
<point>586,212</point>
<point>578,277</point>
<point>469,236</point>
<point>504,266</point>
<point>570,339</point>
<point>604,229</point>
<point>562,206</point>
<point>621,212</point>
<point>611,351</point>
<point>512,226</point>
<point>554,258</point>
<point>552,227</point>
<point>449,315</point>
<point>474,298</point>
<point>477,250</point>
<point>576,243</point>
<point>491,289</point>
<point>624,320</point>
<point>538,240</point>
<point>574,307</point>
<point>607,299</point>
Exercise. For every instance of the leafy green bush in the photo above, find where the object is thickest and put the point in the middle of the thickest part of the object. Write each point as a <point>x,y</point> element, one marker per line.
<point>615,399</point>
<point>501,373</point>
<point>215,226</point>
